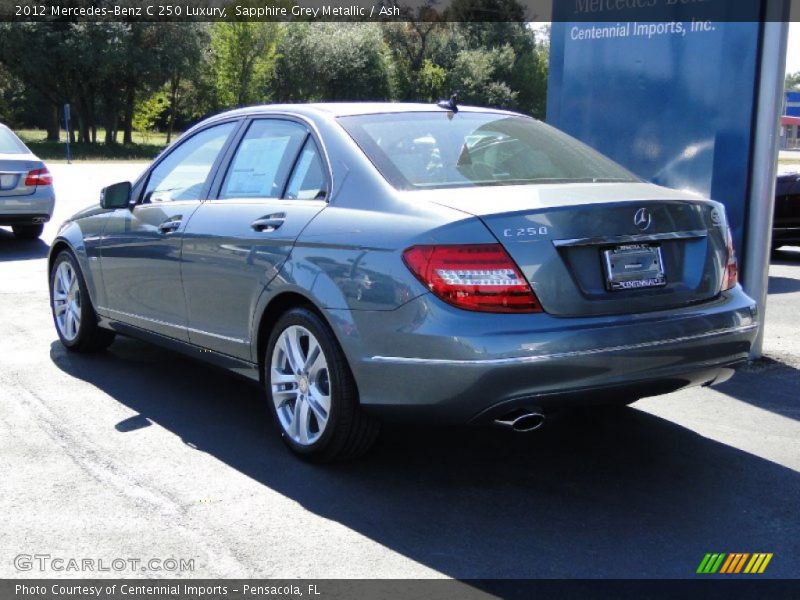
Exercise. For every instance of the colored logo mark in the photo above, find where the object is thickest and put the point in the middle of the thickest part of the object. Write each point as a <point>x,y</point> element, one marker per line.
<point>734,563</point>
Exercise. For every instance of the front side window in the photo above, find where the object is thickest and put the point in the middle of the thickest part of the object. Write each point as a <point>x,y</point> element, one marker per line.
<point>440,150</point>
<point>183,173</point>
<point>263,160</point>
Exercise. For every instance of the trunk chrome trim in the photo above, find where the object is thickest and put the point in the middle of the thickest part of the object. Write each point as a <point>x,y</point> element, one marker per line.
<point>632,239</point>
<point>562,355</point>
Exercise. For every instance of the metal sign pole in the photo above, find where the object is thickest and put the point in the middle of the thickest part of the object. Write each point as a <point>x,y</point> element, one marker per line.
<point>761,201</point>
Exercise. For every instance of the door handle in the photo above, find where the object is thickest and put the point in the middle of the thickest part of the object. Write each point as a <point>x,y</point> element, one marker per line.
<point>170,225</point>
<point>269,223</point>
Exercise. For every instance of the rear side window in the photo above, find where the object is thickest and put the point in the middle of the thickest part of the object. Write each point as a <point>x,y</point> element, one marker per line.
<point>440,150</point>
<point>182,174</point>
<point>10,143</point>
<point>308,178</point>
<point>263,160</point>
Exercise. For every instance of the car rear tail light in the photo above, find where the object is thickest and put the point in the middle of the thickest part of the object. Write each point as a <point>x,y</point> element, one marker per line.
<point>38,177</point>
<point>731,275</point>
<point>479,277</point>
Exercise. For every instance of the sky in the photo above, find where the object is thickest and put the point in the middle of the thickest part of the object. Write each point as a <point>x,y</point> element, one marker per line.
<point>793,49</point>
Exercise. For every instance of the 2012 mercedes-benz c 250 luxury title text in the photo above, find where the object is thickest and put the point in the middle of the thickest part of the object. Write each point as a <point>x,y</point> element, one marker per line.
<point>406,261</point>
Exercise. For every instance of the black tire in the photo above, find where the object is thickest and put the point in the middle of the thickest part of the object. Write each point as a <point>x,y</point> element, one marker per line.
<point>349,431</point>
<point>90,336</point>
<point>27,232</point>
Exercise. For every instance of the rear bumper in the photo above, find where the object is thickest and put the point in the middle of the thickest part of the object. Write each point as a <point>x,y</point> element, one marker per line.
<point>24,219</point>
<point>27,210</point>
<point>428,361</point>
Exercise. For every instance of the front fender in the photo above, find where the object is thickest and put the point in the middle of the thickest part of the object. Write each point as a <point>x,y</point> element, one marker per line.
<point>83,238</point>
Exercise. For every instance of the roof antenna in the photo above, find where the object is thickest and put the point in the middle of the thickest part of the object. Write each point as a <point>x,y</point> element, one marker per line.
<point>449,104</point>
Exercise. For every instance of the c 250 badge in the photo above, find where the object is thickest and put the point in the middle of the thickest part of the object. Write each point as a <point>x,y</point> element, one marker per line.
<point>525,231</point>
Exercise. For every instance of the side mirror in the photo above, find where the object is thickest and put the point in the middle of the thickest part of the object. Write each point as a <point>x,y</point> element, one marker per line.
<point>116,196</point>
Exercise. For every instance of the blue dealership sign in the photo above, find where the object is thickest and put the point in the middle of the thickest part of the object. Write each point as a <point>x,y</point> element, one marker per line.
<point>792,104</point>
<point>674,101</point>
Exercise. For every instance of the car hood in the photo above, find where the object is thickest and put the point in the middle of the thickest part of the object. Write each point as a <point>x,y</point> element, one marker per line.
<point>487,200</point>
<point>89,211</point>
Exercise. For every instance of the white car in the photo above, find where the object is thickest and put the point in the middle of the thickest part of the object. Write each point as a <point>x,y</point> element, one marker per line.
<point>26,188</point>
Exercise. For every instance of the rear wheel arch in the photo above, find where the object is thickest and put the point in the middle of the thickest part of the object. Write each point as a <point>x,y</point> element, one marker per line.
<point>272,312</point>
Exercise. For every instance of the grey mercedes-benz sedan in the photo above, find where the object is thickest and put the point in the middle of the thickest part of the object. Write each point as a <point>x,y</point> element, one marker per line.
<point>26,188</point>
<point>406,261</point>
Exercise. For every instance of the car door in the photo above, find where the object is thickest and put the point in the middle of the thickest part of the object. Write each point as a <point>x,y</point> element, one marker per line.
<point>141,249</point>
<point>276,181</point>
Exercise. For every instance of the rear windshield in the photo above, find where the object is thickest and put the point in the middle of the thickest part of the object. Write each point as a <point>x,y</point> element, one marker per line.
<point>440,150</point>
<point>9,143</point>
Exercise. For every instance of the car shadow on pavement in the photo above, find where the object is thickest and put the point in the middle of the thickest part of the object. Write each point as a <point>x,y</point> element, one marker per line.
<point>753,380</point>
<point>628,495</point>
<point>13,249</point>
<point>783,285</point>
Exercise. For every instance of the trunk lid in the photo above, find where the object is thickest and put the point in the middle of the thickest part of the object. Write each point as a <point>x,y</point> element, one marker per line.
<point>604,249</point>
<point>14,168</point>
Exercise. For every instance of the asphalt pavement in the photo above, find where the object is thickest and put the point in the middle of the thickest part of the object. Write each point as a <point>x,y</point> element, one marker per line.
<point>139,453</point>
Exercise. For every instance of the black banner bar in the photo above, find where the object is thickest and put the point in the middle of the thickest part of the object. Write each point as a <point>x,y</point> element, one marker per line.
<point>398,10</point>
<point>716,587</point>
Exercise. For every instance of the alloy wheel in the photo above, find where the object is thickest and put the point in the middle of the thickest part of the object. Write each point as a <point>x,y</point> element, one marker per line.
<point>300,382</point>
<point>67,301</point>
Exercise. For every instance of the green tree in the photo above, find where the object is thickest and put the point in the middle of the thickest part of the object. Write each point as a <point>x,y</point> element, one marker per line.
<point>792,81</point>
<point>480,76</point>
<point>148,112</point>
<point>496,63</point>
<point>331,61</point>
<point>12,97</point>
<point>242,59</point>
<point>432,80</point>
<point>138,47</point>
<point>181,64</point>
<point>90,65</point>
<point>40,70</point>
<point>410,44</point>
<point>295,66</point>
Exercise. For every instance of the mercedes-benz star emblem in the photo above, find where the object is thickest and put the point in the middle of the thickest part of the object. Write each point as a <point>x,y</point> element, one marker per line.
<point>642,219</point>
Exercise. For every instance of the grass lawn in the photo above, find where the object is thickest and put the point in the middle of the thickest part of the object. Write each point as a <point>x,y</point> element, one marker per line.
<point>143,147</point>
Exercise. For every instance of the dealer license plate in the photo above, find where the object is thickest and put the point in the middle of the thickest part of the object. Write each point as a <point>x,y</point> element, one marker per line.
<point>634,267</point>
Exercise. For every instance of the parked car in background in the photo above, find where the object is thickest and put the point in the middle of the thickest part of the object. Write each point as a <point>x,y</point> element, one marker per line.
<point>786,223</point>
<point>27,199</point>
<point>411,261</point>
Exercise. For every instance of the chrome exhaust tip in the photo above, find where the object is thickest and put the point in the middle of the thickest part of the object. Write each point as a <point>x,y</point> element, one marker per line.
<point>521,421</point>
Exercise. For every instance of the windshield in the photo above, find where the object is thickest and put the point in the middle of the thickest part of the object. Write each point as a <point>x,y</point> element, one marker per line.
<point>9,143</point>
<point>440,150</point>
